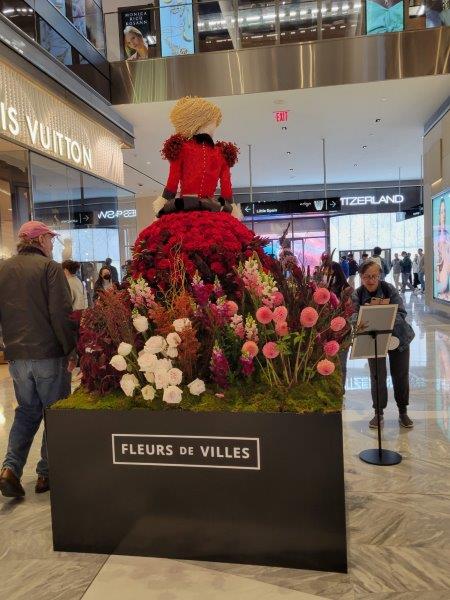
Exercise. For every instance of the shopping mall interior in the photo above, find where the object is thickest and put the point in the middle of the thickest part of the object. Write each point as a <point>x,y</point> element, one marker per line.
<point>341,115</point>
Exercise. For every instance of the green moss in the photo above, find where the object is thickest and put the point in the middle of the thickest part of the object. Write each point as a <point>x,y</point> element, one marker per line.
<point>323,395</point>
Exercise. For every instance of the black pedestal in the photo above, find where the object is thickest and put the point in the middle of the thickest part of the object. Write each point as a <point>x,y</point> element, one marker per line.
<point>383,458</point>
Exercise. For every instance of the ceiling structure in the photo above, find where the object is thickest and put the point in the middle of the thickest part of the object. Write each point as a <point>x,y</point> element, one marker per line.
<point>371,130</point>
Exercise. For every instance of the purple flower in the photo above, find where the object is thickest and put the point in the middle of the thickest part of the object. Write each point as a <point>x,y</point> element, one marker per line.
<point>247,365</point>
<point>220,367</point>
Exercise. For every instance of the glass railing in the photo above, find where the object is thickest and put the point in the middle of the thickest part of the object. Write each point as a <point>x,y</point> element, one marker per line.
<point>179,27</point>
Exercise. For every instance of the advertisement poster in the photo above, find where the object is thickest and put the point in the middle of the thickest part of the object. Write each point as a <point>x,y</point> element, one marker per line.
<point>177,27</point>
<point>441,246</point>
<point>437,13</point>
<point>139,35</point>
<point>384,16</point>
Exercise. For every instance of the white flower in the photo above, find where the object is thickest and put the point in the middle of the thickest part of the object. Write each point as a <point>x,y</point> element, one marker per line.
<point>162,364</point>
<point>124,349</point>
<point>171,352</point>
<point>118,362</point>
<point>180,324</point>
<point>173,339</point>
<point>161,380</point>
<point>140,323</point>
<point>155,344</point>
<point>147,361</point>
<point>149,376</point>
<point>175,376</point>
<point>129,383</point>
<point>148,392</point>
<point>197,387</point>
<point>88,350</point>
<point>172,394</point>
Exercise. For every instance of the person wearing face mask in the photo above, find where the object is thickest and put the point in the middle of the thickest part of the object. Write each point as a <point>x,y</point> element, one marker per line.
<point>104,282</point>
<point>39,337</point>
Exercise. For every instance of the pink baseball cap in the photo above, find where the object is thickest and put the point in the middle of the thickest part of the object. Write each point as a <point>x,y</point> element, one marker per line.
<point>33,229</point>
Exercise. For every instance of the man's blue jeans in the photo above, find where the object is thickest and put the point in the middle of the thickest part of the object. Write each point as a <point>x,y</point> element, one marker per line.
<point>37,384</point>
<point>422,280</point>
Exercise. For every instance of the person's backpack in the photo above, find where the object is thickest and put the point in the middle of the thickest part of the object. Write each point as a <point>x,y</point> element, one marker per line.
<point>384,265</point>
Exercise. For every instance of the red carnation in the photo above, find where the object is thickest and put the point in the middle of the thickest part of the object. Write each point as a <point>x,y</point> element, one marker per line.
<point>172,147</point>
<point>164,263</point>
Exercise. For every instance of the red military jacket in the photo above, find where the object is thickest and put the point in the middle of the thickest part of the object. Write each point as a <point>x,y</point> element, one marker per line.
<point>197,165</point>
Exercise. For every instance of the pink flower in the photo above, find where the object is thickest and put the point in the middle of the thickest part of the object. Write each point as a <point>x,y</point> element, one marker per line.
<point>338,323</point>
<point>277,298</point>
<point>232,307</point>
<point>331,348</point>
<point>309,316</point>
<point>280,314</point>
<point>321,295</point>
<point>281,328</point>
<point>240,330</point>
<point>250,348</point>
<point>270,350</point>
<point>264,315</point>
<point>325,367</point>
<point>334,300</point>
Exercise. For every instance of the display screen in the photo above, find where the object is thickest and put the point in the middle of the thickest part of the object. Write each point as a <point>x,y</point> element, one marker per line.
<point>177,27</point>
<point>384,16</point>
<point>138,30</point>
<point>441,246</point>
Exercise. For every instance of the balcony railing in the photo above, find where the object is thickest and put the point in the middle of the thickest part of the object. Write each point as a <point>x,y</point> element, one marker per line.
<point>180,27</point>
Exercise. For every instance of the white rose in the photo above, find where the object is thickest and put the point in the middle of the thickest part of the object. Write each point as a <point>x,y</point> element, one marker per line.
<point>197,387</point>
<point>173,339</point>
<point>162,364</point>
<point>175,376</point>
<point>155,344</point>
<point>140,323</point>
<point>161,380</point>
<point>147,361</point>
<point>88,350</point>
<point>118,362</point>
<point>129,383</point>
<point>171,352</point>
<point>180,324</point>
<point>172,394</point>
<point>124,349</point>
<point>149,376</point>
<point>148,392</point>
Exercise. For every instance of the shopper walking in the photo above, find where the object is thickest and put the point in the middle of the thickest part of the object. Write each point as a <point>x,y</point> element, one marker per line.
<point>415,271</point>
<point>35,306</point>
<point>352,270</point>
<point>113,270</point>
<point>77,291</point>
<point>406,268</point>
<point>373,287</point>
<point>344,265</point>
<point>396,271</point>
<point>384,267</point>
<point>421,270</point>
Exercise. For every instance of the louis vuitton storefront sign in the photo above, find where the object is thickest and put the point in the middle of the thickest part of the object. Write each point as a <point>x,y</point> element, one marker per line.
<point>43,122</point>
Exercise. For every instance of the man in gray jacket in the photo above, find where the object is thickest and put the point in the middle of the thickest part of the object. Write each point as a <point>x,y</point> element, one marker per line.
<point>35,306</point>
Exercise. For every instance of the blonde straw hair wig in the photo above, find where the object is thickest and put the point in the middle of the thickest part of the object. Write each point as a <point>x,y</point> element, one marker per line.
<point>191,113</point>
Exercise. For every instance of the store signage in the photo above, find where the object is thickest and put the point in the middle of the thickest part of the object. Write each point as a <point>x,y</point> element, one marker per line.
<point>372,200</point>
<point>40,120</point>
<point>285,207</point>
<point>129,213</point>
<point>83,218</point>
<point>186,451</point>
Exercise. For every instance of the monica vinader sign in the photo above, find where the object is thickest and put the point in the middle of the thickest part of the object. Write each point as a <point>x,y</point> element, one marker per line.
<point>42,121</point>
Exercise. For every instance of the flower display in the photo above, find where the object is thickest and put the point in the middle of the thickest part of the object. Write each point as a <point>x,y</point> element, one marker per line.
<point>309,317</point>
<point>172,394</point>
<point>148,392</point>
<point>331,348</point>
<point>118,362</point>
<point>325,367</point>
<point>281,328</point>
<point>196,387</point>
<point>124,349</point>
<point>140,323</point>
<point>270,350</point>
<point>180,324</point>
<point>280,314</point>
<point>264,315</point>
<point>337,324</point>
<point>321,295</point>
<point>155,344</point>
<point>250,348</point>
<point>129,383</point>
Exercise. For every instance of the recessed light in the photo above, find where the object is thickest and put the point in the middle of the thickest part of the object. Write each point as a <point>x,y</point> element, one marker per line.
<point>291,169</point>
<point>371,134</point>
<point>148,162</point>
<point>355,165</point>
<point>288,152</point>
<point>284,128</point>
<point>364,147</point>
<point>378,120</point>
<point>140,184</point>
<point>383,99</point>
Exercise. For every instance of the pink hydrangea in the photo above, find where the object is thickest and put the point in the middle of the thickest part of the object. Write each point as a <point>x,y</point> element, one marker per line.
<point>264,315</point>
<point>277,298</point>
<point>250,348</point>
<point>331,348</point>
<point>280,314</point>
<point>270,350</point>
<point>325,367</point>
<point>309,316</point>
<point>281,328</point>
<point>321,295</point>
<point>337,324</point>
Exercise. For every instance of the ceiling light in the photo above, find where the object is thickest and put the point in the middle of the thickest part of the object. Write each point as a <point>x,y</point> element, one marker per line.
<point>378,120</point>
<point>291,169</point>
<point>288,152</point>
<point>383,99</point>
<point>364,147</point>
<point>148,162</point>
<point>355,165</point>
<point>284,128</point>
<point>140,184</point>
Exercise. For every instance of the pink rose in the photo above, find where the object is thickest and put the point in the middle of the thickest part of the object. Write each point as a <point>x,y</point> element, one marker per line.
<point>270,350</point>
<point>309,316</point>
<point>281,328</point>
<point>338,323</point>
<point>334,300</point>
<point>250,348</point>
<point>331,348</point>
<point>325,367</point>
<point>232,307</point>
<point>321,295</point>
<point>277,298</point>
<point>264,315</point>
<point>280,314</point>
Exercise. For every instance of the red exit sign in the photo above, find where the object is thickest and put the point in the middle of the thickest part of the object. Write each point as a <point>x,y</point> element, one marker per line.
<point>281,116</point>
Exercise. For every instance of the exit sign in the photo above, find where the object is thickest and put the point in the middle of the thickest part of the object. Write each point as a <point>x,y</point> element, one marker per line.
<point>281,116</point>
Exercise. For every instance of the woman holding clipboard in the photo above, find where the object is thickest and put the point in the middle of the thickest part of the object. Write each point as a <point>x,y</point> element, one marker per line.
<point>374,291</point>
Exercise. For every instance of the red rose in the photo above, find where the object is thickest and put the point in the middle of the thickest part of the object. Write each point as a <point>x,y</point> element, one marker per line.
<point>164,263</point>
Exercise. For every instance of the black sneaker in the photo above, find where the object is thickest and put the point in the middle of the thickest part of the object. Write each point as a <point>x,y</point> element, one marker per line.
<point>405,421</point>
<point>373,423</point>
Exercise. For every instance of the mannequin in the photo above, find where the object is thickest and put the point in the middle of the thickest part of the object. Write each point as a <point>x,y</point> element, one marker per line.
<point>197,164</point>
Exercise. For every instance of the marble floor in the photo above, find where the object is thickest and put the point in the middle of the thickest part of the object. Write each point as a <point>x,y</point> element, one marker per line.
<point>398,517</point>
